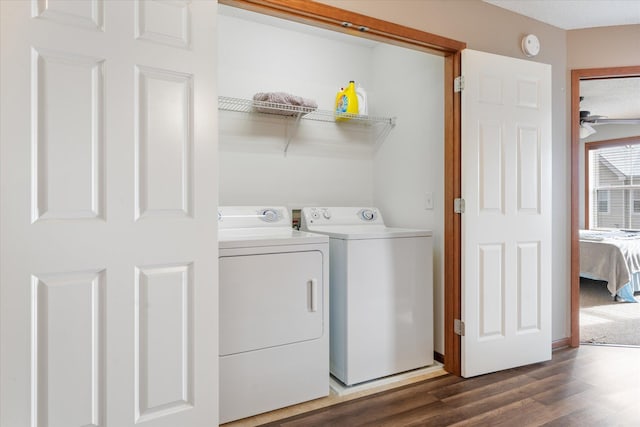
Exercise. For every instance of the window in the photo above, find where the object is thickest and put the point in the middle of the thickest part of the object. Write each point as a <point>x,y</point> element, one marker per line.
<point>613,185</point>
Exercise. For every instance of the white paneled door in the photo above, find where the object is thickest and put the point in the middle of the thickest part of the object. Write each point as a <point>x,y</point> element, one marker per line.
<point>506,227</point>
<point>108,262</point>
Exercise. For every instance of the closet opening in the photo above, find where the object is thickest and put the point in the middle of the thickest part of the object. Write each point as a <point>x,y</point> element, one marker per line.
<point>365,27</point>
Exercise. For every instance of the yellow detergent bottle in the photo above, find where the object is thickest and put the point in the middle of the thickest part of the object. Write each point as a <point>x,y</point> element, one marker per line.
<point>346,102</point>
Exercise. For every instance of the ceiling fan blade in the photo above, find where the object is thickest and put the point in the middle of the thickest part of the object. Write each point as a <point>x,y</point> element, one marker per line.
<point>586,130</point>
<point>606,121</point>
<point>591,118</point>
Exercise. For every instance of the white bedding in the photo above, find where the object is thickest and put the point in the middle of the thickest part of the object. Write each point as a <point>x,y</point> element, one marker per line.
<point>613,256</point>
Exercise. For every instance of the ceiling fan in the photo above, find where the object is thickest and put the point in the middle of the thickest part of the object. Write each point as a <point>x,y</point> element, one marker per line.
<point>587,117</point>
<point>588,120</point>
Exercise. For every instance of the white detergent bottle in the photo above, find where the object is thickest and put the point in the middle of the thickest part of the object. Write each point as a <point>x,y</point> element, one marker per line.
<point>362,101</point>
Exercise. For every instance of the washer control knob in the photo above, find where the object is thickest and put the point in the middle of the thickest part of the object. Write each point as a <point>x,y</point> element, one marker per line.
<point>269,215</point>
<point>367,214</point>
<point>326,214</point>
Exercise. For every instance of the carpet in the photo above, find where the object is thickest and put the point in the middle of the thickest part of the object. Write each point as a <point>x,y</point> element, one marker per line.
<point>605,321</point>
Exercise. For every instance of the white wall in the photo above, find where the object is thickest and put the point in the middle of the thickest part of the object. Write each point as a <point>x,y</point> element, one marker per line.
<point>326,164</point>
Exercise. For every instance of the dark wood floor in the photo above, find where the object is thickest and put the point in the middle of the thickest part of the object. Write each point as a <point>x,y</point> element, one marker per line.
<point>588,386</point>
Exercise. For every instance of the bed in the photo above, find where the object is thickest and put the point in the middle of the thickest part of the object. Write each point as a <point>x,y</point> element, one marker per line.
<point>612,256</point>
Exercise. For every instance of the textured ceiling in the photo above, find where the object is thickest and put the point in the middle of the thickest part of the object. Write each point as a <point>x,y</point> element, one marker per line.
<point>574,14</point>
<point>612,98</point>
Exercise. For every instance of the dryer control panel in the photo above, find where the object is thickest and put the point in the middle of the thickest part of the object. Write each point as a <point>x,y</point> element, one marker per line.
<point>253,217</point>
<point>367,214</point>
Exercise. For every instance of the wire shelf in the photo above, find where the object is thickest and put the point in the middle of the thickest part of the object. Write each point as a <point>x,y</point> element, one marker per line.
<point>305,113</point>
<point>297,113</point>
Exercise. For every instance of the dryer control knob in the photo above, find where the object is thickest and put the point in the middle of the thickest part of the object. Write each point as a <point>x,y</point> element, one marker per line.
<point>367,214</point>
<point>326,214</point>
<point>269,215</point>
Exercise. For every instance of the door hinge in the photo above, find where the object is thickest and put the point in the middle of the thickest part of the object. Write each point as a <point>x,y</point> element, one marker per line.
<point>458,205</point>
<point>458,84</point>
<point>458,327</point>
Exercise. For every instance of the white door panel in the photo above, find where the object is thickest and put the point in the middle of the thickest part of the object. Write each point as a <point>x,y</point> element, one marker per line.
<point>108,249</point>
<point>506,227</point>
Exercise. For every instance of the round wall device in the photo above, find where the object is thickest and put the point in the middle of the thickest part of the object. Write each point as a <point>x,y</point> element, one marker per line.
<point>530,45</point>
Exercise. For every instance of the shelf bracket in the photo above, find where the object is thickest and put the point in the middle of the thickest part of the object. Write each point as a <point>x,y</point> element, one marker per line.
<point>293,132</point>
<point>384,131</point>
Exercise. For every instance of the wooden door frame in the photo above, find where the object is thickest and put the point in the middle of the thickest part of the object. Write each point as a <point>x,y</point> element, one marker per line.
<point>576,76</point>
<point>329,17</point>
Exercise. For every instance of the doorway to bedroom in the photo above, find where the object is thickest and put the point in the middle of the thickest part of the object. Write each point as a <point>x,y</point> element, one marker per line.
<point>609,211</point>
<point>605,320</point>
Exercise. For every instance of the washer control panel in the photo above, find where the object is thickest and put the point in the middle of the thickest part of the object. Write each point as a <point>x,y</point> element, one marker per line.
<point>317,216</point>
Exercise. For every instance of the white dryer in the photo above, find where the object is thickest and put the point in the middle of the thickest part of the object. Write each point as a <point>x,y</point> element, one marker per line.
<point>381,297</point>
<point>274,337</point>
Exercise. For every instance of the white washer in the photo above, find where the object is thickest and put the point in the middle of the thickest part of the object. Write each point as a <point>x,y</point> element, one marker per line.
<point>274,344</point>
<point>381,297</point>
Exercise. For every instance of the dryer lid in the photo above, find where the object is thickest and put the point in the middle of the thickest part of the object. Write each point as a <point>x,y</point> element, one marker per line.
<point>266,236</point>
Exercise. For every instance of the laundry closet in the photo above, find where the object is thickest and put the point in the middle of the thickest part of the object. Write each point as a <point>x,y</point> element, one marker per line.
<point>397,169</point>
<point>393,159</point>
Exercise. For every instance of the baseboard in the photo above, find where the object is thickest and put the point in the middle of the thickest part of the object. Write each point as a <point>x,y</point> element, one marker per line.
<point>416,375</point>
<point>555,345</point>
<point>561,343</point>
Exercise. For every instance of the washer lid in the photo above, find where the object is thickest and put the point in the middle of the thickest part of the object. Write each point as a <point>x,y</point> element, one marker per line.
<point>361,232</point>
<point>266,236</point>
